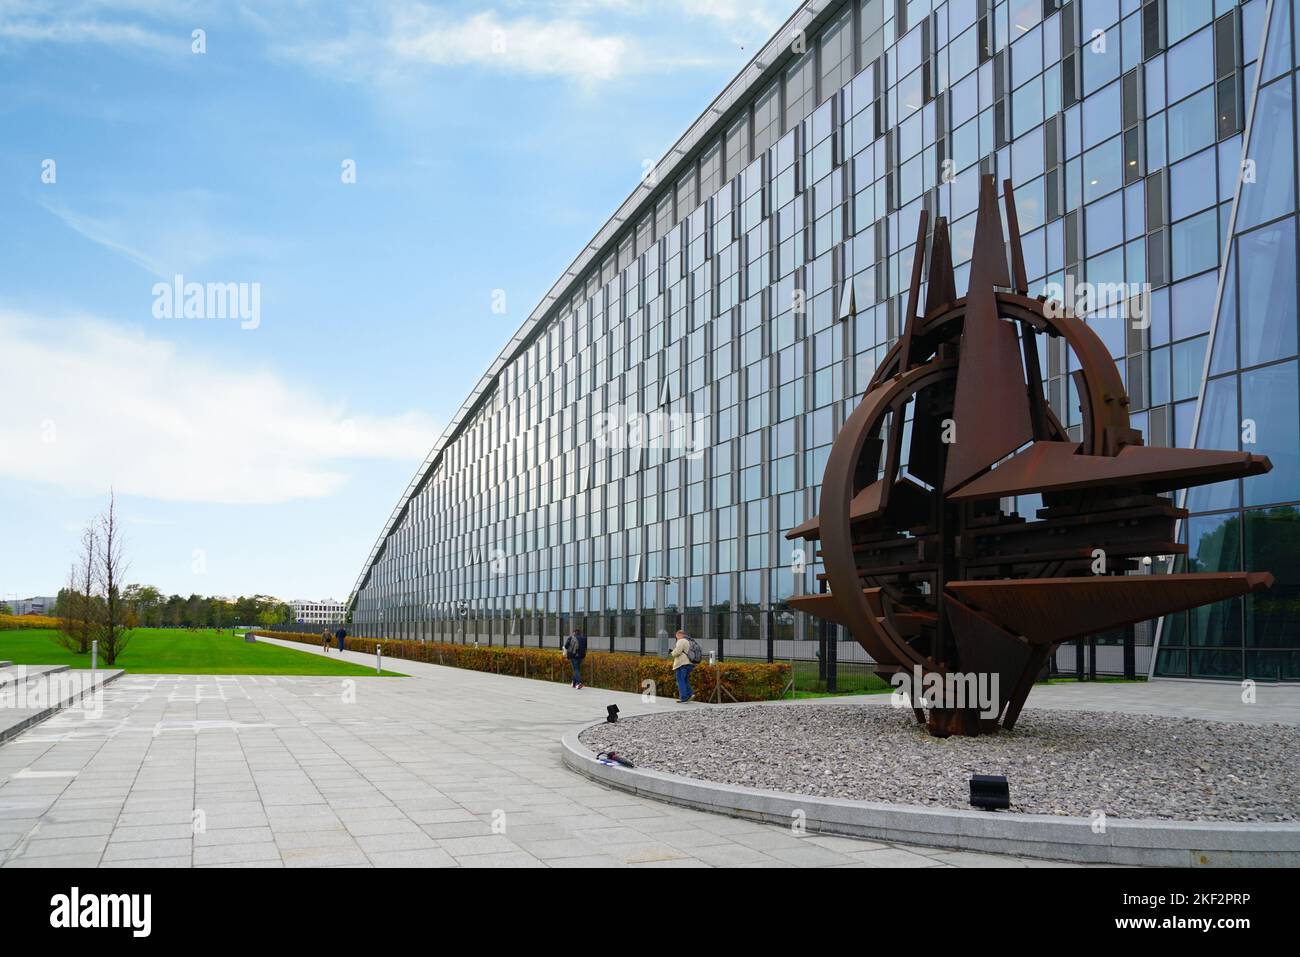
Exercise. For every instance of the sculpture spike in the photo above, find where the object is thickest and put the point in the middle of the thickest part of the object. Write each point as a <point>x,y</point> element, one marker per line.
<point>942,288</point>
<point>988,266</point>
<point>992,400</point>
<point>913,293</point>
<point>1019,280</point>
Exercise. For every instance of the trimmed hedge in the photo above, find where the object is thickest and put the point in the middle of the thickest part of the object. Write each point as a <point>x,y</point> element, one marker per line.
<point>617,671</point>
<point>22,622</point>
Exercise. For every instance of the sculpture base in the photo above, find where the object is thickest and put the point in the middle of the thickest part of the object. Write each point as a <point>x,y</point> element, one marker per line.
<point>965,722</point>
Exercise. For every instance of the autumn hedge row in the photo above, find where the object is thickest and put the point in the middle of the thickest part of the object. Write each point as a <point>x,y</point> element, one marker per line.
<point>617,671</point>
<point>19,622</point>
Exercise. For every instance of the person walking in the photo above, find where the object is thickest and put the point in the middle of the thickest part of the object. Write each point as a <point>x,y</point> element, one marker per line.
<point>325,640</point>
<point>340,635</point>
<point>686,654</point>
<point>575,649</point>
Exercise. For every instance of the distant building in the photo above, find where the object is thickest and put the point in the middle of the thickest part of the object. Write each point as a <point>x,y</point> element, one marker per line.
<point>34,606</point>
<point>327,612</point>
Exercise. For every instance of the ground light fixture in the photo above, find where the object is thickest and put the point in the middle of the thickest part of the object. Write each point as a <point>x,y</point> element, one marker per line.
<point>990,792</point>
<point>612,714</point>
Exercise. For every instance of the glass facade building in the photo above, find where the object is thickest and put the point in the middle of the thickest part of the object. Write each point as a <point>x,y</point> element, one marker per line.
<point>748,288</point>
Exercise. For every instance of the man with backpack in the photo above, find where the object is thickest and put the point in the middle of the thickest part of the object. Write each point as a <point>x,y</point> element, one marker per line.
<point>575,649</point>
<point>686,655</point>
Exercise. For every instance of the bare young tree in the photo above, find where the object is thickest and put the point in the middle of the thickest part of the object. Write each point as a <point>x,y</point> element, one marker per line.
<point>78,615</point>
<point>68,609</point>
<point>112,629</point>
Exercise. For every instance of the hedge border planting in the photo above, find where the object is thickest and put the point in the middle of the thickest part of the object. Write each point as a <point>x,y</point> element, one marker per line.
<point>615,671</point>
<point>24,622</point>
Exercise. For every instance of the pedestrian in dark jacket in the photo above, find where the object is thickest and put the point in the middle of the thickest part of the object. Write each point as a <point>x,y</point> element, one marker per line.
<point>340,635</point>
<point>575,649</point>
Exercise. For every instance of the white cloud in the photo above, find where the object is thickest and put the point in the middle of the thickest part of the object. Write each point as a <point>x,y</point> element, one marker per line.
<point>525,45</point>
<point>747,20</point>
<point>561,41</point>
<point>89,404</point>
<point>587,41</point>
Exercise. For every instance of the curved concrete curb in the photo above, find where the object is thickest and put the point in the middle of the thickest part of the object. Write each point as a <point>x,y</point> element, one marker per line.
<point>1047,836</point>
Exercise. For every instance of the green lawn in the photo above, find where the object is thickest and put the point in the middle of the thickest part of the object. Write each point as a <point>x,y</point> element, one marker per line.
<point>852,677</point>
<point>175,651</point>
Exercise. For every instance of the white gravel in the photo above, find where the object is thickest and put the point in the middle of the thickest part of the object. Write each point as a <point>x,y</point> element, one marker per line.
<point>1057,762</point>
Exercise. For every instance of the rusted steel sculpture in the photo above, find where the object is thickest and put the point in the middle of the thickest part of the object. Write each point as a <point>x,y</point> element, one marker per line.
<point>924,567</point>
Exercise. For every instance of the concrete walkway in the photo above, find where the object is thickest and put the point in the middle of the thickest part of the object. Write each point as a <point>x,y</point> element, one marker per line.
<point>443,768</point>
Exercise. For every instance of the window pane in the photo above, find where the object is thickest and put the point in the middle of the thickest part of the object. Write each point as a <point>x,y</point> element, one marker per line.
<point>1268,403</point>
<point>1214,545</point>
<point>1195,244</point>
<point>1103,170</point>
<point>1220,429</point>
<point>1272,542</point>
<point>1193,302</point>
<point>1183,17</point>
<point>1191,65</point>
<point>1267,190</point>
<point>1189,365</point>
<point>1191,125</point>
<point>1101,63</point>
<point>1187,192</point>
<point>1268,293</point>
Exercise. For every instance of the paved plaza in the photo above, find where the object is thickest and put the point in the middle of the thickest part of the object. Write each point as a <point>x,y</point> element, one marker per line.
<point>442,768</point>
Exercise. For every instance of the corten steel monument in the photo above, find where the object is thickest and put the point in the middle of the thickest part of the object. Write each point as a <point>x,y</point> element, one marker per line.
<point>924,567</point>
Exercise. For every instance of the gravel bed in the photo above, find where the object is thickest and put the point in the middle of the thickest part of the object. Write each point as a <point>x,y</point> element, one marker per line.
<point>1058,762</point>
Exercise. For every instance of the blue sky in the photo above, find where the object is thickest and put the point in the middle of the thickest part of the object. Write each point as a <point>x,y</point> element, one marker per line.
<point>489,142</point>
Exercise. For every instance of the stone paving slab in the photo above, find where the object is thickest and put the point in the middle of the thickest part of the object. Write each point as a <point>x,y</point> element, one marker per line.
<point>463,767</point>
<point>63,688</point>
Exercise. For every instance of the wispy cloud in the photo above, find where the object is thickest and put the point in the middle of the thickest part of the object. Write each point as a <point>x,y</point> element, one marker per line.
<point>115,23</point>
<point>106,233</point>
<point>164,233</point>
<point>742,20</point>
<point>405,37</point>
<point>584,41</point>
<point>526,45</point>
<point>89,404</point>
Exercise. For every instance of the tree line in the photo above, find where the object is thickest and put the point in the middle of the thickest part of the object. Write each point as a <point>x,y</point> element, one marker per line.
<point>150,608</point>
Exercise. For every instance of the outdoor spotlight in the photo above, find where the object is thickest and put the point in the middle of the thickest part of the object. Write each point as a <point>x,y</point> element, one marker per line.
<point>613,714</point>
<point>989,792</point>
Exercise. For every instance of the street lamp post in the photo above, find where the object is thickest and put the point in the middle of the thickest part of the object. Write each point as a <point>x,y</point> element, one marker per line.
<point>462,609</point>
<point>680,583</point>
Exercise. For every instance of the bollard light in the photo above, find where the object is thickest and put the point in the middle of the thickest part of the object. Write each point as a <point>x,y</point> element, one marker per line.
<point>990,792</point>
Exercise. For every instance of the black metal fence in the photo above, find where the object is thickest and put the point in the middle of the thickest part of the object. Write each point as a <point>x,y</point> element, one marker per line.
<point>822,656</point>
